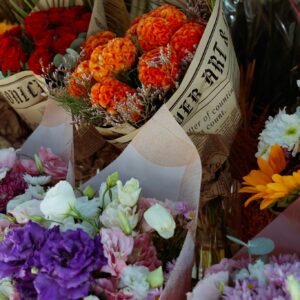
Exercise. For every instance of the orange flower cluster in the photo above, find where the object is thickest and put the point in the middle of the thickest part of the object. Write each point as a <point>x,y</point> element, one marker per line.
<point>186,39</point>
<point>159,68</point>
<point>111,92</point>
<point>79,80</point>
<point>116,57</point>
<point>101,38</point>
<point>164,35</point>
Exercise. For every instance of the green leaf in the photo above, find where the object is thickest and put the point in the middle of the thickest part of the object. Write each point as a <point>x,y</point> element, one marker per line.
<point>77,43</point>
<point>58,60</point>
<point>82,35</point>
<point>71,3</point>
<point>112,179</point>
<point>236,240</point>
<point>17,9</point>
<point>89,192</point>
<point>260,246</point>
<point>30,6</point>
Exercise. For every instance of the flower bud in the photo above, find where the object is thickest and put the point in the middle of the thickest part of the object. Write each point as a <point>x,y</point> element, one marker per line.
<point>156,278</point>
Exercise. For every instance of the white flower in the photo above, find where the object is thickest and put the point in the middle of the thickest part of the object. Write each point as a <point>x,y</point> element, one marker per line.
<point>91,297</point>
<point>69,224</point>
<point>3,173</point>
<point>128,194</point>
<point>36,192</point>
<point>88,208</point>
<point>7,158</point>
<point>7,290</point>
<point>255,271</point>
<point>210,287</point>
<point>37,180</point>
<point>160,220</point>
<point>18,200</point>
<point>25,210</point>
<point>110,217</point>
<point>134,280</point>
<point>107,200</point>
<point>283,129</point>
<point>59,201</point>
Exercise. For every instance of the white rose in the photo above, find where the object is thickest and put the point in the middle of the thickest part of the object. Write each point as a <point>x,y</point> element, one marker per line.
<point>160,220</point>
<point>25,210</point>
<point>128,194</point>
<point>59,200</point>
<point>134,280</point>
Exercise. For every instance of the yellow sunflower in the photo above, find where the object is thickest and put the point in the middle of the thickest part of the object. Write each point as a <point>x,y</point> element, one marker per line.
<point>256,181</point>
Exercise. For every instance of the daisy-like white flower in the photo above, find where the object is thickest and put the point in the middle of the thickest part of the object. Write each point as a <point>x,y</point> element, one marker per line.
<point>37,180</point>
<point>284,130</point>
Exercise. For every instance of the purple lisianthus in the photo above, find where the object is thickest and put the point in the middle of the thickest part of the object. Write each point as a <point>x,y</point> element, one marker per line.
<point>67,260</point>
<point>18,248</point>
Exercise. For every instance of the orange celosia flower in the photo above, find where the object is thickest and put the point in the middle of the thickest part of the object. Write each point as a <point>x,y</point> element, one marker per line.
<point>256,182</point>
<point>153,32</point>
<point>159,68</point>
<point>174,16</point>
<point>80,80</point>
<point>186,39</point>
<point>117,56</point>
<point>111,92</point>
<point>98,39</point>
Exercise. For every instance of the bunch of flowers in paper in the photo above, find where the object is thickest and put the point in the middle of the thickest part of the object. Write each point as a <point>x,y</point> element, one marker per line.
<point>25,177</point>
<point>115,245</point>
<point>277,182</point>
<point>126,79</point>
<point>235,279</point>
<point>45,34</point>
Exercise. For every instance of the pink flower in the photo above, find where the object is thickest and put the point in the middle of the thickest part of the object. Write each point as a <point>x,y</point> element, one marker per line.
<point>7,158</point>
<point>108,287</point>
<point>116,246</point>
<point>53,164</point>
<point>26,166</point>
<point>144,252</point>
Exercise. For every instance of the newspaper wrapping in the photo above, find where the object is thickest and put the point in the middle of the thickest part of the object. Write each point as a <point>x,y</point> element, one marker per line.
<point>167,165</point>
<point>25,91</point>
<point>206,100</point>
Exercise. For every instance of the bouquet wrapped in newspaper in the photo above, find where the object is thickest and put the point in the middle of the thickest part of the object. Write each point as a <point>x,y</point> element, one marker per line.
<point>113,239</point>
<point>179,55</point>
<point>45,35</point>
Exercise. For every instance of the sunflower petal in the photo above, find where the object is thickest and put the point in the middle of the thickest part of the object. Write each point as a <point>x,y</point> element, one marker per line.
<point>265,167</point>
<point>277,159</point>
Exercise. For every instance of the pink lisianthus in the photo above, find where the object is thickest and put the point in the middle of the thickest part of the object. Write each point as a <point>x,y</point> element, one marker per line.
<point>26,166</point>
<point>144,253</point>
<point>117,247</point>
<point>108,287</point>
<point>7,158</point>
<point>53,165</point>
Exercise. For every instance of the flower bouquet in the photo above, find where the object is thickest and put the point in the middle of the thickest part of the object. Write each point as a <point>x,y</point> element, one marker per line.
<point>169,55</point>
<point>114,244</point>
<point>26,52</point>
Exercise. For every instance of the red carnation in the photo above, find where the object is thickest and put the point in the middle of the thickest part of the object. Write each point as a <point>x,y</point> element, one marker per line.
<point>73,14</point>
<point>63,42</point>
<point>82,25</point>
<point>36,24</point>
<point>46,41</point>
<point>15,32</point>
<point>11,55</point>
<point>40,58</point>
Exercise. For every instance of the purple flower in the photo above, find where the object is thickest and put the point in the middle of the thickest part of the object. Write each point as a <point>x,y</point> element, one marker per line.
<point>18,248</point>
<point>12,185</point>
<point>66,262</point>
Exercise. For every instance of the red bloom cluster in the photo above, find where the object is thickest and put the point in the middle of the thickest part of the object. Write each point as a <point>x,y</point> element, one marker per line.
<point>12,55</point>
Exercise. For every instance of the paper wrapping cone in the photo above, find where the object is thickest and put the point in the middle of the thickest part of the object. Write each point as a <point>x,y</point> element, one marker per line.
<point>167,164</point>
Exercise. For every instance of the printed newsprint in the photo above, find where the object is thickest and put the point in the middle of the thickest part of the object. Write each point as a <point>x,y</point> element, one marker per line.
<point>206,100</point>
<point>26,93</point>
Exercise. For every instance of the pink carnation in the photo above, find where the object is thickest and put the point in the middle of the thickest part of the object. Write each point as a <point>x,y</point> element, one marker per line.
<point>144,253</point>
<point>116,246</point>
<point>27,166</point>
<point>53,164</point>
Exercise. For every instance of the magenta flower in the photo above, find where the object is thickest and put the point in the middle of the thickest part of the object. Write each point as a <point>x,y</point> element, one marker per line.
<point>26,166</point>
<point>117,247</point>
<point>53,165</point>
<point>144,252</point>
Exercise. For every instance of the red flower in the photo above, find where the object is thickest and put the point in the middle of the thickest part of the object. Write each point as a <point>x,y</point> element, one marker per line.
<point>65,29</point>
<point>11,55</point>
<point>46,41</point>
<point>63,42</point>
<point>36,24</point>
<point>15,32</point>
<point>55,16</point>
<point>73,14</point>
<point>40,58</point>
<point>82,25</point>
